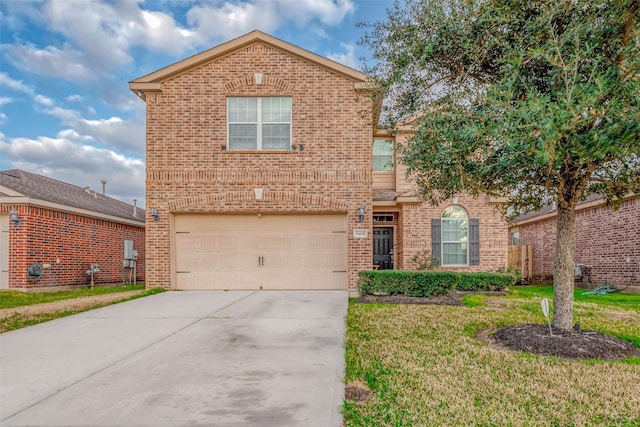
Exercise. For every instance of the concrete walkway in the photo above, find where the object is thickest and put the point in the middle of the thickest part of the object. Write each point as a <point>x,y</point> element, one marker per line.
<point>268,358</point>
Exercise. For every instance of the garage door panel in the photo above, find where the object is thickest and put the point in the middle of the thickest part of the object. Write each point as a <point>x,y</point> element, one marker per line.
<point>302,280</point>
<point>268,252</point>
<point>207,261</point>
<point>226,279</point>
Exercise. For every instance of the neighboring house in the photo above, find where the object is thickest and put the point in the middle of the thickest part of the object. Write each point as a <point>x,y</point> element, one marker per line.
<point>265,172</point>
<point>52,232</point>
<point>607,242</point>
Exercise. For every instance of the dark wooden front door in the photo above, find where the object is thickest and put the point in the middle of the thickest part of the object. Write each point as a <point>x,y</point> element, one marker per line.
<point>383,247</point>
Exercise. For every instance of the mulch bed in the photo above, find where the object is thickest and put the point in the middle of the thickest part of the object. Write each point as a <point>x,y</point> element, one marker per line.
<point>530,338</point>
<point>581,344</point>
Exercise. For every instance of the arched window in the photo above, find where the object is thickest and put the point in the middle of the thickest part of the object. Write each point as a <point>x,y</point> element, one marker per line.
<point>455,236</point>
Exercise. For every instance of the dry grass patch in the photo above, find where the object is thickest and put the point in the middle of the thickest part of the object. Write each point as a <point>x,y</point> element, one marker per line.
<point>425,367</point>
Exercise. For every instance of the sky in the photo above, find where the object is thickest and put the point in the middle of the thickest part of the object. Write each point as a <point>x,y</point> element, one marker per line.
<point>66,111</point>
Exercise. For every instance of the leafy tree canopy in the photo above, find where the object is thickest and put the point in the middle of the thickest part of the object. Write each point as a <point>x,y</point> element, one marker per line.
<point>534,100</point>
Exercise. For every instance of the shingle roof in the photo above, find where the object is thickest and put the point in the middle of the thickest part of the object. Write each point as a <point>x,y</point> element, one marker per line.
<point>384,195</point>
<point>551,208</point>
<point>54,191</point>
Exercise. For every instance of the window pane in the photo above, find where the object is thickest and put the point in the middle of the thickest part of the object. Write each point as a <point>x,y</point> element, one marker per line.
<point>515,238</point>
<point>454,230</point>
<point>382,163</point>
<point>454,254</point>
<point>382,146</point>
<point>243,109</point>
<point>276,110</point>
<point>382,155</point>
<point>243,137</point>
<point>276,137</point>
<point>454,212</point>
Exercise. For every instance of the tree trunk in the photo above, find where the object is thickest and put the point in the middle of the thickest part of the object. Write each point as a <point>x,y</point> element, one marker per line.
<point>563,270</point>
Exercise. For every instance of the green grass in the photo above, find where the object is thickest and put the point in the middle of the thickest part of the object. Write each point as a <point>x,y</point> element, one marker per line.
<point>617,299</point>
<point>10,299</point>
<point>426,367</point>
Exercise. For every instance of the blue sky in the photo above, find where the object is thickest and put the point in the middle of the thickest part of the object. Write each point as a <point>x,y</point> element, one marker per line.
<point>66,111</point>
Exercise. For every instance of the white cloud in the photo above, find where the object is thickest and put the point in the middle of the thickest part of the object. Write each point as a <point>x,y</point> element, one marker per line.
<point>74,98</point>
<point>228,20</point>
<point>328,12</point>
<point>67,159</point>
<point>65,63</point>
<point>5,100</point>
<point>43,100</point>
<point>231,20</point>
<point>348,58</point>
<point>114,133</point>
<point>16,85</point>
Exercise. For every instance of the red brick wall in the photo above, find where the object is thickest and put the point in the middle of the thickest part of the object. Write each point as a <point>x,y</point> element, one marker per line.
<point>415,233</point>
<point>70,243</point>
<point>605,239</point>
<point>189,171</point>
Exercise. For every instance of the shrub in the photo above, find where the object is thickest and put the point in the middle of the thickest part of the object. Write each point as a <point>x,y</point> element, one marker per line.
<point>514,271</point>
<point>425,261</point>
<point>411,283</point>
<point>429,283</point>
<point>485,281</point>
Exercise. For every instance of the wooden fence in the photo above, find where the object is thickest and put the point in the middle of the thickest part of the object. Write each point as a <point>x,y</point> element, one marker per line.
<point>522,257</point>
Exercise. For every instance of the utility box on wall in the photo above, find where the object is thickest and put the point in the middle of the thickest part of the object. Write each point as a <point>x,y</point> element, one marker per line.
<point>130,255</point>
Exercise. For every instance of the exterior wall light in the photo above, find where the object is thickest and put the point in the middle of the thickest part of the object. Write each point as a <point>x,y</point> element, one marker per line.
<point>361,214</point>
<point>15,218</point>
<point>155,215</point>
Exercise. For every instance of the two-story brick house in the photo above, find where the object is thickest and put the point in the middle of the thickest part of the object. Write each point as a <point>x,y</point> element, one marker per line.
<point>265,172</point>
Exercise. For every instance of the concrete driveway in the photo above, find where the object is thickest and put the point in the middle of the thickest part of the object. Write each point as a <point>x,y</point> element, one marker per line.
<point>197,358</point>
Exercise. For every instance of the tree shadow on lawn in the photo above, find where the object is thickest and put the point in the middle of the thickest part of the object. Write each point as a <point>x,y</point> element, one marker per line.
<point>531,338</point>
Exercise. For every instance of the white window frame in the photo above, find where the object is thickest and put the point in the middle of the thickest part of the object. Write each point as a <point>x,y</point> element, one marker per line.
<point>259,123</point>
<point>391,162</point>
<point>444,219</point>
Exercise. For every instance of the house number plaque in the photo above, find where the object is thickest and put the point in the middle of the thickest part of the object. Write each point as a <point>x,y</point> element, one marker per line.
<point>360,234</point>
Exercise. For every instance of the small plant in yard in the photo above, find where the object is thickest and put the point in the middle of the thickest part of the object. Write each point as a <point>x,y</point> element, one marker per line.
<point>424,261</point>
<point>427,365</point>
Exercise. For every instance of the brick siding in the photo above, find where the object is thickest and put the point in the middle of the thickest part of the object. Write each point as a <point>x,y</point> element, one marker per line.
<point>188,169</point>
<point>605,239</point>
<point>70,243</point>
<point>415,233</point>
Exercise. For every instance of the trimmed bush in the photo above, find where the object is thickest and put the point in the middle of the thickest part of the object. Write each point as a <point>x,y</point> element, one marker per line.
<point>411,283</point>
<point>429,283</point>
<point>485,281</point>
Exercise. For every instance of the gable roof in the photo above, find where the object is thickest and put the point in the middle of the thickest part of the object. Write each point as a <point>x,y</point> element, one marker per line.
<point>153,81</point>
<point>19,184</point>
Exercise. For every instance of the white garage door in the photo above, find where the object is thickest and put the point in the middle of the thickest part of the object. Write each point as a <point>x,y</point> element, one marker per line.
<point>266,252</point>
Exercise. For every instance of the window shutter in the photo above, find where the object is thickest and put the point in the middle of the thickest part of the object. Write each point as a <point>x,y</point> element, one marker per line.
<point>436,240</point>
<point>474,241</point>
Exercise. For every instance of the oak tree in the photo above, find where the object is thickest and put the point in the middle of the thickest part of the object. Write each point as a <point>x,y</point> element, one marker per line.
<point>535,101</point>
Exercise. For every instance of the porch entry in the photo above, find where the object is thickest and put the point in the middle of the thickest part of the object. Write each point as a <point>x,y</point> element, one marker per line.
<point>383,248</point>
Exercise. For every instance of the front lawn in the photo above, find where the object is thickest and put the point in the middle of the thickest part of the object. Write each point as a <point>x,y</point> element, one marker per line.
<point>425,366</point>
<point>20,309</point>
<point>9,299</point>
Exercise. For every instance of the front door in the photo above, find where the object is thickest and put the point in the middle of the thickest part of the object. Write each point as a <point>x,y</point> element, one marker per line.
<point>383,247</point>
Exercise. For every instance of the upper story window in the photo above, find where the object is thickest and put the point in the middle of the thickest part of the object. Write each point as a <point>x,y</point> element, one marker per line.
<point>515,238</point>
<point>455,236</point>
<point>259,123</point>
<point>382,155</point>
